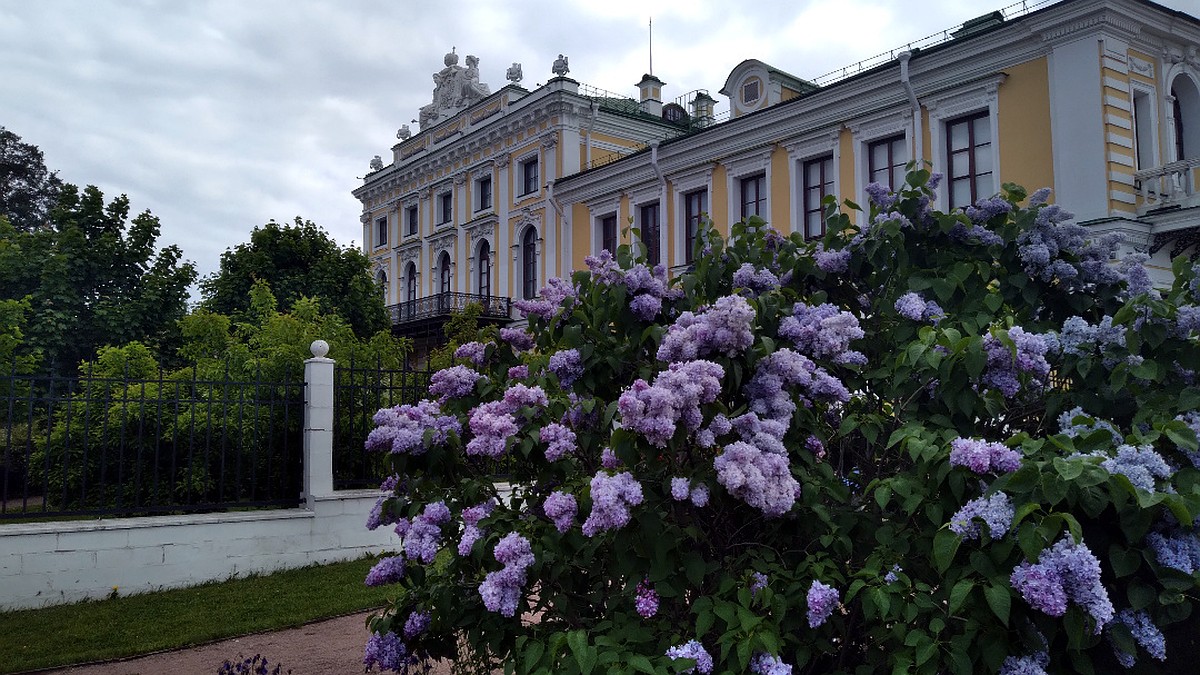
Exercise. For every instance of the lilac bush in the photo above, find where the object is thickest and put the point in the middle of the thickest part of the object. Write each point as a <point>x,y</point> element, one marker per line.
<point>929,443</point>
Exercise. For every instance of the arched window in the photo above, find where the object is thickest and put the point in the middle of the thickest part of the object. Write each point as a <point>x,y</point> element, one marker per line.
<point>410,276</point>
<point>382,280</point>
<point>483,263</point>
<point>1186,111</point>
<point>529,280</point>
<point>444,271</point>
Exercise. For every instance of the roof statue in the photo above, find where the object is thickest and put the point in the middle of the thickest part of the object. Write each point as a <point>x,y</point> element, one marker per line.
<point>514,73</point>
<point>455,87</point>
<point>404,133</point>
<point>376,163</point>
<point>560,66</point>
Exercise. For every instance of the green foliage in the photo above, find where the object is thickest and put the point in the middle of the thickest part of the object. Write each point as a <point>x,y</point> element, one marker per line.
<point>463,327</point>
<point>27,188</point>
<point>877,489</point>
<point>298,260</point>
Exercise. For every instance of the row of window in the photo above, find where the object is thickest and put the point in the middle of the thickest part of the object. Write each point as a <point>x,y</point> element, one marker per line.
<point>483,268</point>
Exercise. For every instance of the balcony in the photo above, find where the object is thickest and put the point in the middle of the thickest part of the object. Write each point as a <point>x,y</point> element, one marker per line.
<point>442,305</point>
<point>1169,186</point>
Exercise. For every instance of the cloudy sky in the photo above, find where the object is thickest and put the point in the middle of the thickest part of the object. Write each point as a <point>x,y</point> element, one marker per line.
<point>219,115</point>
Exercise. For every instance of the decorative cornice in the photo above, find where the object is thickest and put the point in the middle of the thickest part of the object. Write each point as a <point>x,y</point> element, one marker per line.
<point>443,241</point>
<point>410,254</point>
<point>482,229</point>
<point>1099,20</point>
<point>1141,66</point>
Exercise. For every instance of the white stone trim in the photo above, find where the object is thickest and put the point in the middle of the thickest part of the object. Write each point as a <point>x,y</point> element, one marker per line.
<point>959,102</point>
<point>812,146</point>
<point>682,185</point>
<point>757,161</point>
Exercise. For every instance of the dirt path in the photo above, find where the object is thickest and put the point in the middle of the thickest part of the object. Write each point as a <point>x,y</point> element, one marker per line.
<point>334,646</point>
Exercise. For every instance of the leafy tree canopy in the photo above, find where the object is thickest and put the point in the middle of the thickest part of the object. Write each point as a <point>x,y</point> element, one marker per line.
<point>28,189</point>
<point>298,260</point>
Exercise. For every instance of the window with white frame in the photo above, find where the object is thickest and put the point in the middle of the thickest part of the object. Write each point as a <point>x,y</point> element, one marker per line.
<point>445,212</point>
<point>754,196</point>
<point>410,281</point>
<point>608,233</point>
<point>748,178</point>
<point>483,193</point>
<point>529,176</point>
<point>412,223</point>
<point>817,178</point>
<point>444,272</point>
<point>483,268</point>
<point>969,165</point>
<point>529,257</point>
<point>695,209</point>
<point>1185,109</point>
<point>381,231</point>
<point>649,226</point>
<point>886,161</point>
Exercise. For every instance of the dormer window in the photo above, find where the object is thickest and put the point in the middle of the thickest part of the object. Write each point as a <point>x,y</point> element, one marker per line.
<point>751,91</point>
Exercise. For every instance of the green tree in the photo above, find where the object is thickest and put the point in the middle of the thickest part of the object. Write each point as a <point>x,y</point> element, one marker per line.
<point>93,278</point>
<point>28,189</point>
<point>298,260</point>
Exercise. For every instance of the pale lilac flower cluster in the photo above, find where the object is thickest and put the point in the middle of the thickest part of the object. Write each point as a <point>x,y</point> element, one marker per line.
<point>915,308</point>
<point>766,664</point>
<point>977,233</point>
<point>695,651</point>
<point>1137,279</point>
<point>453,382</point>
<point>1080,338</point>
<point>386,571</point>
<point>520,395</point>
<point>983,457</point>
<point>718,426</point>
<point>386,651</point>
<point>761,479</point>
<point>518,372</point>
<point>757,281</point>
<point>681,490</point>
<point>1192,419</point>
<point>471,530</point>
<point>518,338</point>
<point>723,328</point>
<point>494,422</point>
<point>1177,548</point>
<point>1025,665</point>
<point>559,439</point>
<point>1041,249</point>
<point>823,332</point>
<point>676,396</point>
<point>758,581</point>
<point>699,495</point>
<point>378,517</point>
<point>611,498</point>
<point>423,536</point>
<point>1039,197</point>
<point>783,370</point>
<point>1070,424</point>
<point>1145,634</point>
<point>815,446</point>
<point>417,623</point>
<point>646,600</point>
<point>567,365</point>
<point>501,590</point>
<point>832,262</point>
<point>996,511</point>
<point>987,208</point>
<point>560,507</point>
<point>604,268</point>
<point>648,287</point>
<point>1004,368</point>
<point>1064,572</point>
<point>881,196</point>
<point>892,576</point>
<point>1140,464</point>
<point>1187,320</point>
<point>822,600</point>
<point>557,293</point>
<point>608,459</point>
<point>402,429</point>
<point>472,351</point>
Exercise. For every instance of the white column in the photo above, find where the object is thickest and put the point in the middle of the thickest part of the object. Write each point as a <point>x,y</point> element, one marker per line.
<point>318,424</point>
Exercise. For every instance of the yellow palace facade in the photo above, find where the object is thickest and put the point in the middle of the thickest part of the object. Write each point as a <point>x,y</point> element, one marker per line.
<point>1097,99</point>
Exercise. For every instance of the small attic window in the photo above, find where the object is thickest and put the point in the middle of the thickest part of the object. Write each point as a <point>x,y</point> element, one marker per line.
<point>751,91</point>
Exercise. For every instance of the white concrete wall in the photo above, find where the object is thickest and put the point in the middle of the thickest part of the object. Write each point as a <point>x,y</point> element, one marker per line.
<point>52,563</point>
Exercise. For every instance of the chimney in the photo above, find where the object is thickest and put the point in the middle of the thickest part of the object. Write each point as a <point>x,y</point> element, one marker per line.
<point>651,95</point>
<point>702,109</point>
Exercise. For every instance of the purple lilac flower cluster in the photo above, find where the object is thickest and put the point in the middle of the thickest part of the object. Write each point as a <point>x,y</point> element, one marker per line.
<point>646,599</point>
<point>1064,572</point>
<point>723,328</point>
<point>987,208</point>
<point>471,530</point>
<point>1140,464</point>
<point>557,293</point>
<point>1137,280</point>
<point>977,233</point>
<point>387,571</point>
<point>832,262</point>
<point>915,308</point>
<point>695,651</point>
<point>996,511</point>
<point>823,332</point>
<point>758,581</point>
<point>611,498</point>
<point>494,422</point>
<point>1041,249</point>
<point>1176,548</point>
<point>681,490</point>
<point>1080,338</point>
<point>676,396</point>
<point>604,268</point>
<point>1004,368</point>
<point>822,600</point>
<point>501,590</point>
<point>1187,321</point>
<point>892,576</point>
<point>560,508</point>
<point>402,429</point>
<point>518,372</point>
<point>1070,424</point>
<point>378,516</point>
<point>1034,664</point>
<point>386,651</point>
<point>567,364</point>
<point>417,623</point>
<point>756,281</point>
<point>1192,419</point>
<point>983,457</point>
<point>423,536</point>
<point>453,382</point>
<point>560,441</point>
<point>472,351</point>
<point>1145,634</point>
<point>786,369</point>
<point>761,479</point>
<point>881,196</point>
<point>648,288</point>
<point>766,664</point>
<point>518,338</point>
<point>608,459</point>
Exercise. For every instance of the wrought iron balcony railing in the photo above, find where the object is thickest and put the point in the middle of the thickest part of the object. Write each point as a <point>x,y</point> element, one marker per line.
<point>444,304</point>
<point>1168,185</point>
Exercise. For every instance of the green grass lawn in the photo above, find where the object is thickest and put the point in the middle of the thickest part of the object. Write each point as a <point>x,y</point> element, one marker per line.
<point>139,624</point>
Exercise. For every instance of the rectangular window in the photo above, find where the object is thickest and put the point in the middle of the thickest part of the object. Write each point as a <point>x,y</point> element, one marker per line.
<point>445,208</point>
<point>483,192</point>
<point>886,160</point>
<point>529,176</point>
<point>818,183</point>
<point>412,220</point>
<point>381,231</point>
<point>650,231</point>
<point>608,234</point>
<point>695,207</point>
<point>1143,132</point>
<point>969,155</point>
<point>754,196</point>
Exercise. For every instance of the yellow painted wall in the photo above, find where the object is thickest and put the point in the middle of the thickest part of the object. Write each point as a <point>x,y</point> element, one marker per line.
<point>781,195</point>
<point>1026,157</point>
<point>719,199</point>
<point>581,236</point>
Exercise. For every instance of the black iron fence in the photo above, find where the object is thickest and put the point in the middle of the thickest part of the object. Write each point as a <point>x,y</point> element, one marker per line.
<point>359,391</point>
<point>182,442</point>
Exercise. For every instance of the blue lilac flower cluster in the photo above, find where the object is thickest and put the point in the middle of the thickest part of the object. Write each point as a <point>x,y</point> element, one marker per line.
<point>695,651</point>
<point>423,536</point>
<point>1042,247</point>
<point>832,262</point>
<point>893,574</point>
<point>723,328</point>
<point>755,281</point>
<point>1076,423</point>
<point>761,479</point>
<point>996,511</point>
<point>494,422</point>
<point>387,571</point>
<point>560,508</point>
<point>983,457</point>
<point>1067,571</point>
<point>645,601</point>
<point>417,623</point>
<point>823,332</point>
<point>386,651</point>
<point>402,429</point>
<point>1140,464</point>
<point>567,364</point>
<point>1034,664</point>
<point>557,293</point>
<point>501,590</point>
<point>758,581</point>
<point>518,338</point>
<point>881,196</point>
<point>611,498</point>
<point>453,382</point>
<point>472,351</point>
<point>1176,548</point>
<point>676,396</point>
<point>1080,338</point>
<point>822,600</point>
<point>1192,419</point>
<point>648,288</point>
<point>1004,368</point>
<point>915,308</point>
<point>1187,320</point>
<point>1137,279</point>
<point>766,664</point>
<point>987,208</point>
<point>1145,634</point>
<point>560,441</point>
<point>471,530</point>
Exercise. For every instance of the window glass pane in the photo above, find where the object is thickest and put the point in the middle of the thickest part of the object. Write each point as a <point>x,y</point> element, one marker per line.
<point>983,186</point>
<point>983,132</point>
<point>958,136</point>
<point>983,159</point>
<point>960,193</point>
<point>960,164</point>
